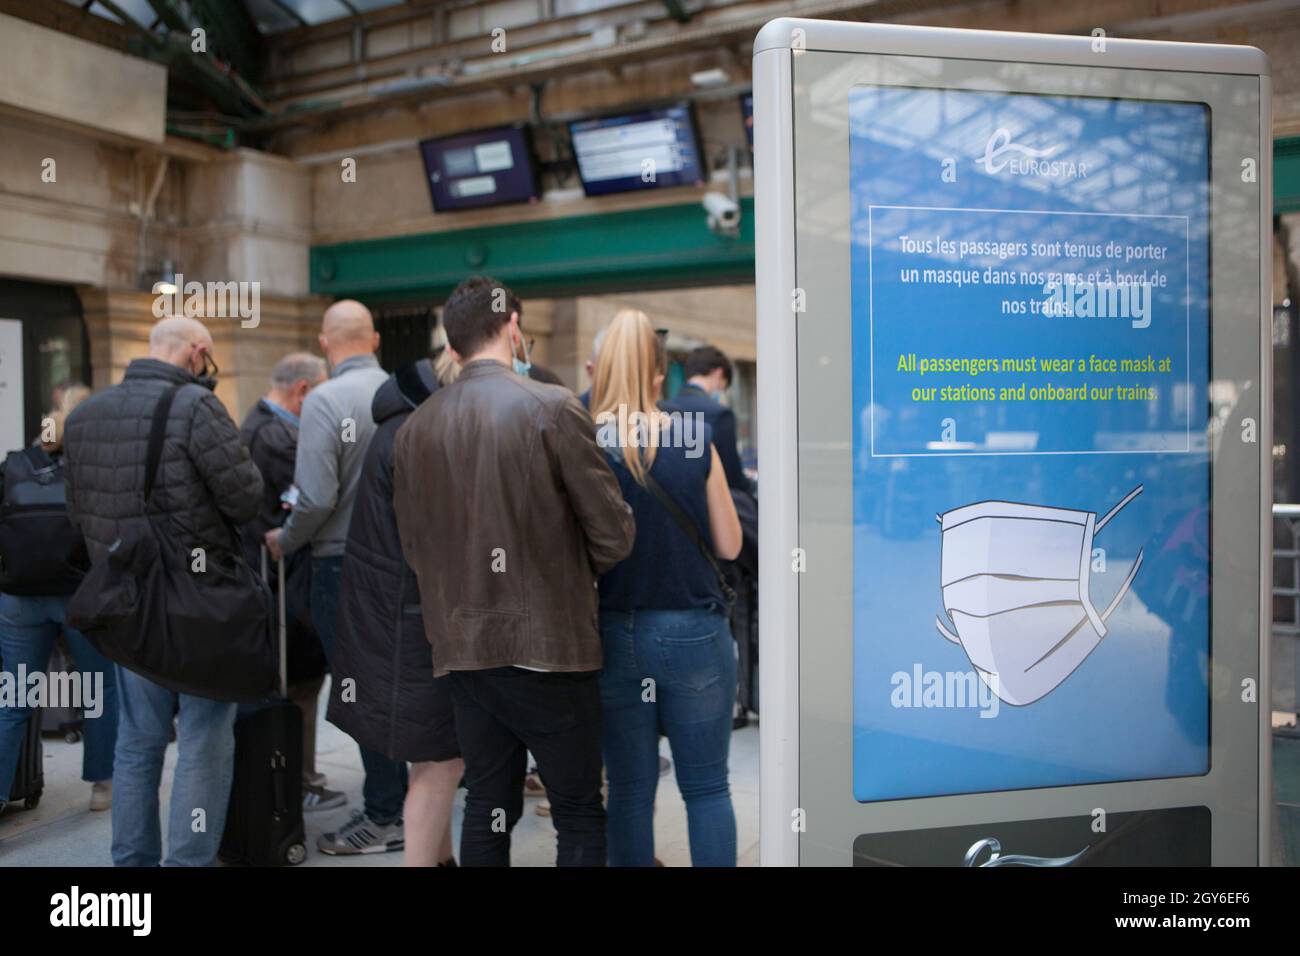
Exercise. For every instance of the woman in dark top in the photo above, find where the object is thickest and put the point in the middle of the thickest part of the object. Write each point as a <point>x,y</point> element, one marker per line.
<point>669,660</point>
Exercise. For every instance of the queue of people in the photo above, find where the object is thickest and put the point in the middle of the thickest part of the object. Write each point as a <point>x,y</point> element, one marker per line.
<point>487,566</point>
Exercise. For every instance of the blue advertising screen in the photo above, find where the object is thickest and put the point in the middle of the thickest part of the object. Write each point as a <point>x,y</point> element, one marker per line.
<point>647,150</point>
<point>1031,487</point>
<point>483,168</point>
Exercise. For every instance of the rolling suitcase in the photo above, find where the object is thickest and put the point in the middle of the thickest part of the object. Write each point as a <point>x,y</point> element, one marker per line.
<point>264,820</point>
<point>744,628</point>
<point>29,775</point>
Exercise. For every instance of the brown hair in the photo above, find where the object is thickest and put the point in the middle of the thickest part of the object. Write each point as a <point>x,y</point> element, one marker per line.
<point>475,312</point>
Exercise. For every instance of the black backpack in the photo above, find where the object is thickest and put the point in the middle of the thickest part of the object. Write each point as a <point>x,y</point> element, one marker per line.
<point>41,552</point>
<point>203,633</point>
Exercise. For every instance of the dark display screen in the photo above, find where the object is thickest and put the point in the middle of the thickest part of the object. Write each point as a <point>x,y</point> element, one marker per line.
<point>484,168</point>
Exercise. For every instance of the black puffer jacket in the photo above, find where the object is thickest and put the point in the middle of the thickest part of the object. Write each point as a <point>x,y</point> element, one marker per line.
<point>272,443</point>
<point>205,471</point>
<point>380,642</point>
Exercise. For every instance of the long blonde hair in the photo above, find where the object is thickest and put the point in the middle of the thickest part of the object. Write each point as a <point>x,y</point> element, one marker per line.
<point>72,396</point>
<point>623,389</point>
<point>445,367</point>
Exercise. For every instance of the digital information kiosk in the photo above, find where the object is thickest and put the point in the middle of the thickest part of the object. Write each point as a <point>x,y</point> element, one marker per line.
<point>1014,383</point>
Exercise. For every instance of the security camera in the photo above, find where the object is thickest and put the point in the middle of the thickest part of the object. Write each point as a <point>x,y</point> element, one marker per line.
<point>723,213</point>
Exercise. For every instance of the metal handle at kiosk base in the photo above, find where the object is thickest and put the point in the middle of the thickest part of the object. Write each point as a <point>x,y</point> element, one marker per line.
<point>1014,859</point>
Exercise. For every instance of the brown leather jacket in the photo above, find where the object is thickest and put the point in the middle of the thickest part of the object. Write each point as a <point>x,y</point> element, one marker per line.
<point>507,512</point>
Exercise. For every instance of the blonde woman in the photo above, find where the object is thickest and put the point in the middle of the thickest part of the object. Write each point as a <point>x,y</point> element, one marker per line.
<point>663,613</point>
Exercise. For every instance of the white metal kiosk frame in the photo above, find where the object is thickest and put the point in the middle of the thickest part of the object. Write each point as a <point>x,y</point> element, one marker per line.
<point>803,72</point>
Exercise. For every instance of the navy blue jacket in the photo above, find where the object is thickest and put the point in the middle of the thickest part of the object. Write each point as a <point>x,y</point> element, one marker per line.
<point>722,421</point>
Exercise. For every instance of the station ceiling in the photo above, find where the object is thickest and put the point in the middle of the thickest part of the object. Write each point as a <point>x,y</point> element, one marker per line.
<point>269,16</point>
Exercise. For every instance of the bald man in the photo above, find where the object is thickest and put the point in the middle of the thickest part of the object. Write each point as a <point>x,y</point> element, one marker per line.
<point>335,430</point>
<point>205,483</point>
<point>333,434</point>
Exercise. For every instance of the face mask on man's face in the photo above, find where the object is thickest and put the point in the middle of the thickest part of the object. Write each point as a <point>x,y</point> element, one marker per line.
<point>521,367</point>
<point>1015,582</point>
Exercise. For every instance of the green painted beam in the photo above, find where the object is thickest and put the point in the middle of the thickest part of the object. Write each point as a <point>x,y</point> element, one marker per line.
<point>1286,174</point>
<point>659,247</point>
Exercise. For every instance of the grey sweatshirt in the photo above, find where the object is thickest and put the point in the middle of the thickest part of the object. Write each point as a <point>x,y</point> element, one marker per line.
<point>335,430</point>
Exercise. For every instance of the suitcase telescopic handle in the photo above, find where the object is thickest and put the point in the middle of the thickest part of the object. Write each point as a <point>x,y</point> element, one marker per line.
<point>284,635</point>
<point>282,632</point>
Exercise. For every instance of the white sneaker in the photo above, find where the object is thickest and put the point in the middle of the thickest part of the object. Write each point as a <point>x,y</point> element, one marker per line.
<point>101,795</point>
<point>316,797</point>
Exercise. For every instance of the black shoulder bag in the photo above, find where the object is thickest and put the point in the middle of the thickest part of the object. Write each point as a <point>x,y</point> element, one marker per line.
<point>684,522</point>
<point>143,605</point>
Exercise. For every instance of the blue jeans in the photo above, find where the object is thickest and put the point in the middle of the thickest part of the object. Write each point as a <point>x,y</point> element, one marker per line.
<point>384,789</point>
<point>205,764</point>
<point>690,659</point>
<point>28,627</point>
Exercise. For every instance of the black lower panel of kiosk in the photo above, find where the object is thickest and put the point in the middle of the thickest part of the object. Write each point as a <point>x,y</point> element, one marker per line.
<point>1168,837</point>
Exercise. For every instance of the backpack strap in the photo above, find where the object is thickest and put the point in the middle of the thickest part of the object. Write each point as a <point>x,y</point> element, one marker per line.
<point>157,430</point>
<point>37,457</point>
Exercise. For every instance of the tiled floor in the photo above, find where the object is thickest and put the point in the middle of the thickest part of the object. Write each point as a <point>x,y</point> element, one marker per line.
<point>62,832</point>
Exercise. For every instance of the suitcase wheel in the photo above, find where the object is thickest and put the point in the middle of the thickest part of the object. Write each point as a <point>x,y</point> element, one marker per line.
<point>72,736</point>
<point>32,802</point>
<point>295,854</point>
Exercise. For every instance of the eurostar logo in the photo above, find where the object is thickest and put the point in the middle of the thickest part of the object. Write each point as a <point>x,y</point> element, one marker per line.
<point>1000,144</point>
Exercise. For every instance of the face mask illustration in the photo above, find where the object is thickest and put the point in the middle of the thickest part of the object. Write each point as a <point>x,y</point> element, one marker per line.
<point>1015,586</point>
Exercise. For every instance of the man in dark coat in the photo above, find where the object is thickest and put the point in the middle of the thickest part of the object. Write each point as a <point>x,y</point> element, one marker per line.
<point>206,484</point>
<point>708,375</point>
<point>270,432</point>
<point>384,694</point>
